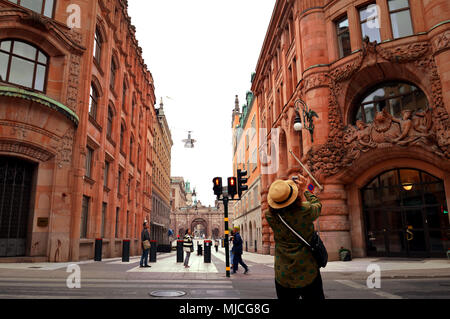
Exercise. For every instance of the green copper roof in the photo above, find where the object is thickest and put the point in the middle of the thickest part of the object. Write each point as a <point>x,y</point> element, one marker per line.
<point>41,99</point>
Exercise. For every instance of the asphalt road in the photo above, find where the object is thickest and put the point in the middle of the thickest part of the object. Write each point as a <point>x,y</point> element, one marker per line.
<point>113,279</point>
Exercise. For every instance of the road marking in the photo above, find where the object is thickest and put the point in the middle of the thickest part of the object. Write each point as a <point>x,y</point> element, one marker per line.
<point>378,292</point>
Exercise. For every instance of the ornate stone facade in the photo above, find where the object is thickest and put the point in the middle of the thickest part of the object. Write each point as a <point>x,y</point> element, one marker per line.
<point>301,59</point>
<point>90,154</point>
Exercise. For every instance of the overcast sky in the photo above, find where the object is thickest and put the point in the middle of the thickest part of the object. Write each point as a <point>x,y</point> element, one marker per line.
<point>201,54</point>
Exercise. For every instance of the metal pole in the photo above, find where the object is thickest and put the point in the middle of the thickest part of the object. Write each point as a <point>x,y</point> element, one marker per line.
<point>227,241</point>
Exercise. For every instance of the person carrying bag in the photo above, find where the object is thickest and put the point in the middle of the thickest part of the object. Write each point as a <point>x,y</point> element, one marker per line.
<point>299,252</point>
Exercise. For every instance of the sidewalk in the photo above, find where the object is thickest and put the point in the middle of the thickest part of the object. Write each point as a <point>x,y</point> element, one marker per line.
<point>358,267</point>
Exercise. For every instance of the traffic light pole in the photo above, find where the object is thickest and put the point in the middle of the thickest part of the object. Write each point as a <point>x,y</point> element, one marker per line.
<point>227,237</point>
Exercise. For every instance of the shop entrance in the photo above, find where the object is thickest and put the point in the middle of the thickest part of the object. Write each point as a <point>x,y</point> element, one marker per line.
<point>16,178</point>
<point>406,215</point>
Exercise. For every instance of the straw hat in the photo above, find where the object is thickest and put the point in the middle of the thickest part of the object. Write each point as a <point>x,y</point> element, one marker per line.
<point>282,194</point>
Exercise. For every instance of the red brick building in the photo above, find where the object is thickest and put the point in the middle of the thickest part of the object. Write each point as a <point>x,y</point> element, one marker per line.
<point>377,73</point>
<point>76,113</point>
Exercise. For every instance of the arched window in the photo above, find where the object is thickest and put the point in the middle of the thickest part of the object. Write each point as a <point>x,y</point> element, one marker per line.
<point>23,64</point>
<point>93,102</point>
<point>98,46</point>
<point>44,7</point>
<point>109,123</point>
<point>133,109</point>
<point>122,135</point>
<point>392,97</point>
<point>131,148</point>
<point>112,78</point>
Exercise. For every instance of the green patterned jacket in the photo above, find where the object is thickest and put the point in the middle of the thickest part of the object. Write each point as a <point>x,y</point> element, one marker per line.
<point>295,266</point>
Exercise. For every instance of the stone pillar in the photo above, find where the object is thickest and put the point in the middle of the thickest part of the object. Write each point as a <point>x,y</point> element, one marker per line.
<point>315,56</point>
<point>334,220</point>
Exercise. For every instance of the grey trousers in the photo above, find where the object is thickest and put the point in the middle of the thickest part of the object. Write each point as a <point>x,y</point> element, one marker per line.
<point>186,260</point>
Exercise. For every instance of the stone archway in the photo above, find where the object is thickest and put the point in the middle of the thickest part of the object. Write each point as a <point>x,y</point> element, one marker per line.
<point>199,227</point>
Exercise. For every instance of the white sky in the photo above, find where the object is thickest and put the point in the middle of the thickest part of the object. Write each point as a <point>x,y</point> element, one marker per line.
<point>201,53</point>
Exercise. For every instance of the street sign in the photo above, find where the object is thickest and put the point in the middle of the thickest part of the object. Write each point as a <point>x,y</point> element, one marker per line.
<point>311,188</point>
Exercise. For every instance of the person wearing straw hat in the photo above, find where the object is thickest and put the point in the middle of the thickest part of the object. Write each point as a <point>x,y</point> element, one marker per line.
<point>296,271</point>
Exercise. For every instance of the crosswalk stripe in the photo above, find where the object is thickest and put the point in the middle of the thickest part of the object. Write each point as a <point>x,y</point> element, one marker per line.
<point>378,292</point>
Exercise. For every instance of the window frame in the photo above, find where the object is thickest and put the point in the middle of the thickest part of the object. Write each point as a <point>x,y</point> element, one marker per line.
<point>35,62</point>
<point>42,9</point>
<point>98,46</point>
<point>397,11</point>
<point>359,103</point>
<point>93,103</point>
<point>84,222</point>
<point>89,162</point>
<point>339,33</point>
<point>361,21</point>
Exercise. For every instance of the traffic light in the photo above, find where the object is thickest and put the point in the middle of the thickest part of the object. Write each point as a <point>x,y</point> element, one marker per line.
<point>217,186</point>
<point>241,182</point>
<point>232,187</point>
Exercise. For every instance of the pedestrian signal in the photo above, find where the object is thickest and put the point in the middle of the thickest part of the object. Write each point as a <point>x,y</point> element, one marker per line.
<point>232,187</point>
<point>218,189</point>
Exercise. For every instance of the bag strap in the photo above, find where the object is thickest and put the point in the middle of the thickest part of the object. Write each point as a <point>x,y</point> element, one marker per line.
<point>293,231</point>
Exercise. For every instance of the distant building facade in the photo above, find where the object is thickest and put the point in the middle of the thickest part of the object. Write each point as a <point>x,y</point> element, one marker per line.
<point>188,213</point>
<point>247,212</point>
<point>377,75</point>
<point>76,130</point>
<point>162,149</point>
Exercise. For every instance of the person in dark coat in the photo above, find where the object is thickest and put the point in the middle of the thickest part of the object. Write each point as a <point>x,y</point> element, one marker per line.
<point>145,235</point>
<point>296,271</point>
<point>237,251</point>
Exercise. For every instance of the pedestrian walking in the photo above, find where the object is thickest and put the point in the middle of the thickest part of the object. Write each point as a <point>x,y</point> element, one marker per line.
<point>237,251</point>
<point>296,271</point>
<point>188,247</point>
<point>145,243</point>
<point>216,245</point>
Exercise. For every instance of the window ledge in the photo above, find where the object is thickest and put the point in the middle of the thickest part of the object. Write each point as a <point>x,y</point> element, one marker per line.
<point>89,180</point>
<point>94,122</point>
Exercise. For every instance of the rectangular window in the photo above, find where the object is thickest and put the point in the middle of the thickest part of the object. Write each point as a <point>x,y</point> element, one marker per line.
<point>400,18</point>
<point>119,180</point>
<point>343,36</point>
<point>117,222</point>
<point>98,42</point>
<point>128,225</point>
<point>44,7</point>
<point>84,217</point>
<point>106,174</point>
<point>89,158</point>
<point>104,210</point>
<point>370,22</point>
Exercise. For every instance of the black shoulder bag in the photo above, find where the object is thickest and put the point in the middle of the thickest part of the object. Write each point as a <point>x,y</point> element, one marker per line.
<point>317,247</point>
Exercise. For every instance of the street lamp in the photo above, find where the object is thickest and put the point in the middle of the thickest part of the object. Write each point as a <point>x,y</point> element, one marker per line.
<point>308,118</point>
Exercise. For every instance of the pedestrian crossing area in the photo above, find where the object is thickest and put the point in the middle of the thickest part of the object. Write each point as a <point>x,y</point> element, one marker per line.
<point>54,288</point>
<point>169,264</point>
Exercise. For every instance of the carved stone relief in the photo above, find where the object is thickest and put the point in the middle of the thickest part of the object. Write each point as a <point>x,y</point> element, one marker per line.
<point>428,129</point>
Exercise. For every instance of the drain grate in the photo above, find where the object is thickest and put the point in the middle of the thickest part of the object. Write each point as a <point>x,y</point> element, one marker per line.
<point>167,293</point>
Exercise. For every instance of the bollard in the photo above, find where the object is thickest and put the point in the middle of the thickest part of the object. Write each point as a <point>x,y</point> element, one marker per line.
<point>207,256</point>
<point>98,249</point>
<point>126,250</point>
<point>180,252</point>
<point>153,250</point>
<point>256,246</point>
